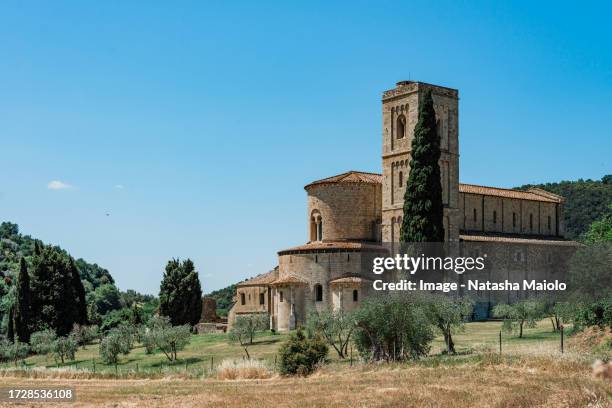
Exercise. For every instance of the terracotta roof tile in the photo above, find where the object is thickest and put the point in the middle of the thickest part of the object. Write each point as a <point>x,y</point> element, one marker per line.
<point>262,279</point>
<point>516,240</point>
<point>334,246</point>
<point>350,177</point>
<point>289,279</point>
<point>533,194</point>
<point>350,279</point>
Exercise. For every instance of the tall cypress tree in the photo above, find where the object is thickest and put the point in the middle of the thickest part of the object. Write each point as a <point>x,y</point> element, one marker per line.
<point>180,293</point>
<point>80,306</point>
<point>23,312</point>
<point>423,208</point>
<point>10,329</point>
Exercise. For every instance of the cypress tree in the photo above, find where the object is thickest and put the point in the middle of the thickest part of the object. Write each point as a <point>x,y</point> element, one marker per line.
<point>180,293</point>
<point>423,208</point>
<point>22,304</point>
<point>79,293</point>
<point>10,329</point>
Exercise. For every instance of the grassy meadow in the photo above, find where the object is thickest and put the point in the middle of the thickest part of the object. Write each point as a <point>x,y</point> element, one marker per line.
<point>531,372</point>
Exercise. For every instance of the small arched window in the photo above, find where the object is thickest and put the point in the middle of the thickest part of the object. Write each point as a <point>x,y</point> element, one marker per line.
<point>320,230</point>
<point>355,295</point>
<point>513,220</point>
<point>242,299</point>
<point>400,179</point>
<point>262,299</point>
<point>400,126</point>
<point>281,297</point>
<point>531,221</point>
<point>475,215</point>
<point>494,217</point>
<point>318,293</point>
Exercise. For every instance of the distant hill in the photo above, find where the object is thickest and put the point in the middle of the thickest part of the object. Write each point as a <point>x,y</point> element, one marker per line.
<point>14,245</point>
<point>585,201</point>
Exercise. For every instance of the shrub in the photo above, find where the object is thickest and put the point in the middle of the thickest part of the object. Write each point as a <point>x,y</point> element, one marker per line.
<point>84,334</point>
<point>596,313</point>
<point>393,328</point>
<point>301,355</point>
<point>14,351</point>
<point>42,341</point>
<point>230,369</point>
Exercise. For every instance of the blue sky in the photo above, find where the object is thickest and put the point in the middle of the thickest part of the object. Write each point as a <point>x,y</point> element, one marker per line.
<point>196,125</point>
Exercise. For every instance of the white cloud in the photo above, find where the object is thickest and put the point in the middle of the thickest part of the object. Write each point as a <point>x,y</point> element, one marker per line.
<point>58,185</point>
<point>119,186</point>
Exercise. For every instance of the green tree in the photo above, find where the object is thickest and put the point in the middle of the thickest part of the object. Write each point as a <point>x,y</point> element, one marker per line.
<point>64,348</point>
<point>80,304</point>
<point>53,296</point>
<point>524,313</point>
<point>180,294</point>
<point>111,346</point>
<point>167,338</point>
<point>448,315</point>
<point>423,208</point>
<point>106,298</point>
<point>244,328</point>
<point>22,304</point>
<point>335,327</point>
<point>14,351</point>
<point>10,326</point>
<point>600,230</point>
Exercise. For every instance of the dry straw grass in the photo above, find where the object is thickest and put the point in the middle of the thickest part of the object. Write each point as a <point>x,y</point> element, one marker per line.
<point>233,369</point>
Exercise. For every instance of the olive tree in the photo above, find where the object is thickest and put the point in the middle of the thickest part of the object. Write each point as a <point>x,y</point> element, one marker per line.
<point>335,327</point>
<point>448,315</point>
<point>524,313</point>
<point>245,327</point>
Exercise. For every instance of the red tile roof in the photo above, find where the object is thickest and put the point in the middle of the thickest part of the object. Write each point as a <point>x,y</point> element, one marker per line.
<point>349,177</point>
<point>532,194</point>
<point>263,279</point>
<point>289,280</point>
<point>334,246</point>
<point>516,240</point>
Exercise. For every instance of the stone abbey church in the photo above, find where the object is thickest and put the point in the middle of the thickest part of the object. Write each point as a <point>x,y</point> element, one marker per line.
<point>350,215</point>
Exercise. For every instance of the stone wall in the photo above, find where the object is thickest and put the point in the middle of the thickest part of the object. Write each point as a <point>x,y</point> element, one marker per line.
<point>483,213</point>
<point>349,211</point>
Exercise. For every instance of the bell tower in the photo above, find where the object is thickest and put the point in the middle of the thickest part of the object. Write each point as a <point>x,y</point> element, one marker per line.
<point>400,114</point>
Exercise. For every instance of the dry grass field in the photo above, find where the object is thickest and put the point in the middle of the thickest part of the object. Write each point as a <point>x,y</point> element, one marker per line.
<point>530,373</point>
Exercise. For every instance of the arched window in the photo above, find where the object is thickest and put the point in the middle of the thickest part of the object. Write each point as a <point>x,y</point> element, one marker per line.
<point>318,293</point>
<point>281,297</point>
<point>400,179</point>
<point>355,295</point>
<point>262,299</point>
<point>513,220</point>
<point>316,226</point>
<point>494,217</point>
<point>242,299</point>
<point>400,126</point>
<point>475,216</point>
<point>530,221</point>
